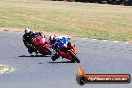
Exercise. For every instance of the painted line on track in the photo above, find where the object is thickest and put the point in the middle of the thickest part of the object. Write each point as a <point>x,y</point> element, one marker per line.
<point>108,40</point>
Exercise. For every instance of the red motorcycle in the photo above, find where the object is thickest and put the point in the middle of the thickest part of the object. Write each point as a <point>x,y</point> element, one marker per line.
<point>41,45</point>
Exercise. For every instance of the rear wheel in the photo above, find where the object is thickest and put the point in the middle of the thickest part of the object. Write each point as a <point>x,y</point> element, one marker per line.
<point>75,58</point>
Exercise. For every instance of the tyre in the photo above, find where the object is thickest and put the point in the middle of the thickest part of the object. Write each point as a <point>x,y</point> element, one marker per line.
<point>118,2</point>
<point>126,2</point>
<point>75,58</point>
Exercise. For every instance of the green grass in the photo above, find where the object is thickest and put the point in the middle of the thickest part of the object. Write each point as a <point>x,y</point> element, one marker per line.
<point>100,21</point>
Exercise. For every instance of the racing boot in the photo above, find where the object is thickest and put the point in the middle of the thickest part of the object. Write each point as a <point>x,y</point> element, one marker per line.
<point>30,50</point>
<point>55,56</point>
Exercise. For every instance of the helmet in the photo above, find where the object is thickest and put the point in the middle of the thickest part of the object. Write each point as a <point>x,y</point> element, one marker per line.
<point>27,30</point>
<point>53,39</point>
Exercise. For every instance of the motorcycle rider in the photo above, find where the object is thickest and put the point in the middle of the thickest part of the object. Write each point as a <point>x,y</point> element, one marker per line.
<point>27,39</point>
<point>55,40</point>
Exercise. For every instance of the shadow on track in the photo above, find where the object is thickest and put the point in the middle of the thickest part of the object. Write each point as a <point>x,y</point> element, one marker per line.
<point>61,62</point>
<point>34,56</point>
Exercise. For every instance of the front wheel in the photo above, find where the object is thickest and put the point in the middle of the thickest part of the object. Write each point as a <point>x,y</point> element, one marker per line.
<point>75,58</point>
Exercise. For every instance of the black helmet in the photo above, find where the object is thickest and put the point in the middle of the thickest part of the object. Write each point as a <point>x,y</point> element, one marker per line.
<point>53,39</point>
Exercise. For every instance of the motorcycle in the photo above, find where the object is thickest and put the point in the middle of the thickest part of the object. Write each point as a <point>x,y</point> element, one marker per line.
<point>41,45</point>
<point>65,49</point>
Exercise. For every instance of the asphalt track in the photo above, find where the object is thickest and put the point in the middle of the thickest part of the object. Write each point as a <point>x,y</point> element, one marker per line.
<point>41,72</point>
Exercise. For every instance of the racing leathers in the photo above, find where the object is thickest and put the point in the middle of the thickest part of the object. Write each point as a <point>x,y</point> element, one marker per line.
<point>27,39</point>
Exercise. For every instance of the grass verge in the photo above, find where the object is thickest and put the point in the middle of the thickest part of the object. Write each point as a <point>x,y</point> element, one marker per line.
<point>100,21</point>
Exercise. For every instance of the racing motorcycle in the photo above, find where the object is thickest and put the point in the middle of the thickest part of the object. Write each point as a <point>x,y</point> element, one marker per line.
<point>65,49</point>
<point>41,45</point>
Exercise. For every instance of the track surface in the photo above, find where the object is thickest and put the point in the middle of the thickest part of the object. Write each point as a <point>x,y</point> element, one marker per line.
<point>41,72</point>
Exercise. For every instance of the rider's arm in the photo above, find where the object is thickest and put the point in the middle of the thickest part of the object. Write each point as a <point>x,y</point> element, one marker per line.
<point>25,42</point>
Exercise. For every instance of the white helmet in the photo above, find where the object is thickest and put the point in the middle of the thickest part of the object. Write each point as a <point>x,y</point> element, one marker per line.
<point>27,30</point>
